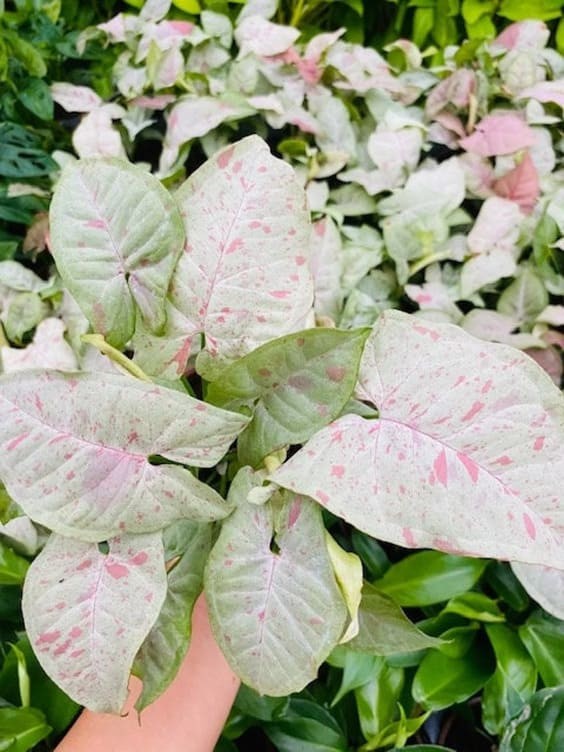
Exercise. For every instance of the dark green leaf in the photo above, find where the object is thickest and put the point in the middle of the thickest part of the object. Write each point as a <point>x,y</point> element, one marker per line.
<point>514,680</point>
<point>543,636</point>
<point>458,640</point>
<point>46,696</point>
<point>501,578</point>
<point>258,706</point>
<point>307,727</point>
<point>441,681</point>
<point>36,97</point>
<point>475,606</point>
<point>13,568</point>
<point>540,727</point>
<point>374,559</point>
<point>20,156</point>
<point>377,700</point>
<point>430,577</point>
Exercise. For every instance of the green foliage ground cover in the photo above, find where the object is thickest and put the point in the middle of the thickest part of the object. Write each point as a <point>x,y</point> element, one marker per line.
<point>466,235</point>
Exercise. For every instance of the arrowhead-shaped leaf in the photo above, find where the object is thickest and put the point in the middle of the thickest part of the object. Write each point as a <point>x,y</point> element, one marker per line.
<point>244,277</point>
<point>87,613</point>
<point>116,235</point>
<point>76,448</point>
<point>276,614</point>
<point>298,384</point>
<point>384,629</point>
<point>164,649</point>
<point>466,456</point>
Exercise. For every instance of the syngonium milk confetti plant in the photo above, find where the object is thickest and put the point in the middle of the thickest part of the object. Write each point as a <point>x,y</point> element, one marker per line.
<point>413,432</point>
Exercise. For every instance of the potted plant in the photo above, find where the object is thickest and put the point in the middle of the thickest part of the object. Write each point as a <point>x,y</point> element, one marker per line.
<point>411,431</point>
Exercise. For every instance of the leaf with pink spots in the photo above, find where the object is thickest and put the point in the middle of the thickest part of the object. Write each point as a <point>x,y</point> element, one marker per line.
<point>465,456</point>
<point>87,613</point>
<point>116,236</point>
<point>275,608</point>
<point>75,452</point>
<point>244,277</point>
<point>295,385</point>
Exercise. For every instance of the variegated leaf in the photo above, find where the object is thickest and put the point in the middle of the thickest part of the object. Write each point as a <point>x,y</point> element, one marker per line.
<point>87,613</point>
<point>76,452</point>
<point>465,457</point>
<point>244,277</point>
<point>116,236</point>
<point>275,609</point>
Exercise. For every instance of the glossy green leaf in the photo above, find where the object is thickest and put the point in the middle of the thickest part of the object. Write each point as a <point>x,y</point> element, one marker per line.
<point>13,568</point>
<point>543,636</point>
<point>36,97</point>
<point>397,732</point>
<point>258,706</point>
<point>164,648</point>
<point>540,726</point>
<point>45,695</point>
<point>383,627</point>
<point>500,577</point>
<point>307,727</point>
<point>441,681</point>
<point>520,10</point>
<point>275,608</point>
<point>513,682</point>
<point>457,641</point>
<point>373,556</point>
<point>377,700</point>
<point>21,729</point>
<point>429,577</point>
<point>358,669</point>
<point>297,384</point>
<point>475,606</point>
<point>116,235</point>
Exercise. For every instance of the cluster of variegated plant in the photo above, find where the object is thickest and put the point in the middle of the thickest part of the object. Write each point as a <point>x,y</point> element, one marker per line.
<point>414,432</point>
<point>452,170</point>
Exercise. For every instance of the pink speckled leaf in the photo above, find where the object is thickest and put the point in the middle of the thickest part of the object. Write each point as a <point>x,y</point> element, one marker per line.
<point>87,613</point>
<point>244,277</point>
<point>499,134</point>
<point>465,456</point>
<point>116,235</point>
<point>75,452</point>
<point>544,584</point>
<point>275,616</point>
